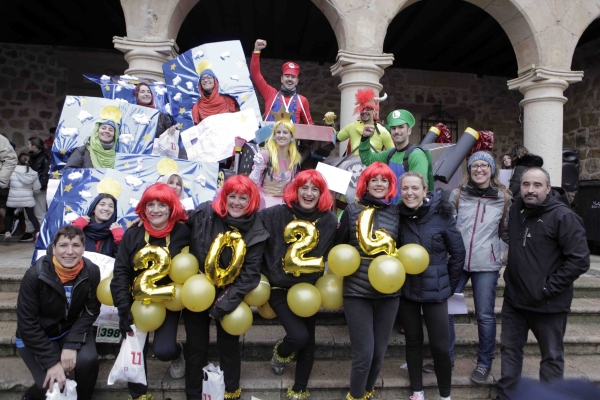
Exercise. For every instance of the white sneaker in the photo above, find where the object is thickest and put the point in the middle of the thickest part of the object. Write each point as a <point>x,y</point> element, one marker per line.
<point>418,395</point>
<point>445,398</point>
<point>177,369</point>
<point>7,236</point>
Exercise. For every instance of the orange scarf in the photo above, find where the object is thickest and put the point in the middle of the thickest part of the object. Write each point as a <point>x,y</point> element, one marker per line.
<point>67,274</point>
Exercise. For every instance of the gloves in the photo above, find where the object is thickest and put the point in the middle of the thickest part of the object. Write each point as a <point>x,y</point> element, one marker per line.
<point>259,161</point>
<point>125,322</point>
<point>259,166</point>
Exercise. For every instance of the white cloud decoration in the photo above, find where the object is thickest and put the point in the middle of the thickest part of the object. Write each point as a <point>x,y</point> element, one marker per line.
<point>177,97</point>
<point>189,85</point>
<point>133,202</point>
<point>84,116</point>
<point>74,175</point>
<point>70,100</point>
<point>105,78</point>
<point>160,89</point>
<point>201,179</point>
<point>141,119</point>
<point>176,80</point>
<point>69,132</point>
<point>85,194</point>
<point>234,78</point>
<point>225,55</point>
<point>133,181</point>
<point>126,138</point>
<point>70,217</point>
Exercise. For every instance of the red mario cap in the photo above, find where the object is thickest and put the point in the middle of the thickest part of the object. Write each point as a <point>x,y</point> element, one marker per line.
<point>290,68</point>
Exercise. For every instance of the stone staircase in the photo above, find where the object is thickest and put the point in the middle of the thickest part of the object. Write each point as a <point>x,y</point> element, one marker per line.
<point>330,375</point>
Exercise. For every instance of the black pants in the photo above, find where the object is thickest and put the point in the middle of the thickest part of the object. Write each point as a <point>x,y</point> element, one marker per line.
<point>165,349</point>
<point>197,326</point>
<point>299,338</point>
<point>549,330</point>
<point>10,213</point>
<point>370,323</point>
<point>86,369</point>
<point>436,317</point>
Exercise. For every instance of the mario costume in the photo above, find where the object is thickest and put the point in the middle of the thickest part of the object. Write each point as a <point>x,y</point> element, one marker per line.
<point>283,100</point>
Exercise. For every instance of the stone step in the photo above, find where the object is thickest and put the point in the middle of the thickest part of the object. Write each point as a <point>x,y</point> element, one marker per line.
<point>329,379</point>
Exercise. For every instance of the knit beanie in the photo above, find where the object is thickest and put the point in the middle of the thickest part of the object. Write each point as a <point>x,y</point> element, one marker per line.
<point>484,156</point>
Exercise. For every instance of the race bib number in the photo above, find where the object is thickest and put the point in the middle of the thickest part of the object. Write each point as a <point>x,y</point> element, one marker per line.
<point>108,332</point>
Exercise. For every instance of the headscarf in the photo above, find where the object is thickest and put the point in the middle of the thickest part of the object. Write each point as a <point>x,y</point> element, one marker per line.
<point>96,231</point>
<point>135,93</point>
<point>102,158</point>
<point>211,103</point>
<point>166,195</point>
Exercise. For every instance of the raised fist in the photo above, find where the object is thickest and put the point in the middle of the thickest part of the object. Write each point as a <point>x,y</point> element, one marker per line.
<point>260,44</point>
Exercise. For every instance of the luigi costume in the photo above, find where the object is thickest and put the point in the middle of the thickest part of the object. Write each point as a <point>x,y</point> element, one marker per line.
<point>404,157</point>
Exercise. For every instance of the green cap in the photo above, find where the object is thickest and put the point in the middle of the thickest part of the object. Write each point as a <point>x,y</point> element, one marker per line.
<point>400,117</point>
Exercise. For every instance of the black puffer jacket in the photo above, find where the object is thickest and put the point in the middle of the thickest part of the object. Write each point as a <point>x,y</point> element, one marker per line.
<point>40,163</point>
<point>433,227</point>
<point>43,311</point>
<point>227,299</point>
<point>520,165</point>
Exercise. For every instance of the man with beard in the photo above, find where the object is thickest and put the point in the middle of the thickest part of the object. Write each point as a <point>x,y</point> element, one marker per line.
<point>285,102</point>
<point>548,252</point>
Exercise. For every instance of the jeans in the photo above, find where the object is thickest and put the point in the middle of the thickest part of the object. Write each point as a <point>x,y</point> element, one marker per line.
<point>39,209</point>
<point>548,329</point>
<point>484,296</point>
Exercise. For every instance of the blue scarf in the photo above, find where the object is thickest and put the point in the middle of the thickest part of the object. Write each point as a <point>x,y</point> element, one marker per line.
<point>96,231</point>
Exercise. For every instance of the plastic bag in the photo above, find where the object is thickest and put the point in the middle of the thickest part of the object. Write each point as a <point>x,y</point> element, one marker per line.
<point>213,387</point>
<point>69,392</point>
<point>129,366</point>
<point>167,144</point>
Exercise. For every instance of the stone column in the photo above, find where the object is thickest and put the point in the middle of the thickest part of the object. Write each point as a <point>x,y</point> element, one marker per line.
<point>357,71</point>
<point>145,57</point>
<point>543,114</point>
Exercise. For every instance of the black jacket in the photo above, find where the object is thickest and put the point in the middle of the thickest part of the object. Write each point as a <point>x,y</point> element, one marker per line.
<point>79,158</point>
<point>520,165</point>
<point>434,228</point>
<point>40,163</point>
<point>228,298</point>
<point>43,311</point>
<point>123,273</point>
<point>548,251</point>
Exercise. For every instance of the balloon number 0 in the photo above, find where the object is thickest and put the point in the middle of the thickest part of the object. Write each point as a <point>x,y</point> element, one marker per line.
<point>382,242</point>
<point>219,276</point>
<point>304,237</point>
<point>156,261</point>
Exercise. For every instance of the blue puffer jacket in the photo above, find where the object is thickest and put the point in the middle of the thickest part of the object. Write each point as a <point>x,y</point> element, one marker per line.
<point>433,227</point>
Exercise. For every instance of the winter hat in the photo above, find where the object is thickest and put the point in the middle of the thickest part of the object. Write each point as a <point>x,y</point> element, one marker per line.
<point>484,156</point>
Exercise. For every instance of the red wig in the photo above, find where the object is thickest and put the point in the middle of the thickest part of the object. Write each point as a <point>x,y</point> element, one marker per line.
<point>365,98</point>
<point>377,168</point>
<point>166,195</point>
<point>239,184</point>
<point>290,193</point>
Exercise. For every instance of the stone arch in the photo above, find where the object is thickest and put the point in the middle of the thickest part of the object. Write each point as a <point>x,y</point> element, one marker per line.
<point>155,20</point>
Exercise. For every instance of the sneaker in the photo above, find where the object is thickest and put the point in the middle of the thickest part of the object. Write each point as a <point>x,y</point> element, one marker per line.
<point>177,368</point>
<point>7,236</point>
<point>27,237</point>
<point>277,366</point>
<point>480,374</point>
<point>418,395</point>
<point>14,227</point>
<point>429,369</point>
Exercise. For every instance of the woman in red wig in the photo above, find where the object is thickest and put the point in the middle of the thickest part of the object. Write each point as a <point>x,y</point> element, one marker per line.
<point>234,210</point>
<point>164,225</point>
<point>370,314</point>
<point>307,200</point>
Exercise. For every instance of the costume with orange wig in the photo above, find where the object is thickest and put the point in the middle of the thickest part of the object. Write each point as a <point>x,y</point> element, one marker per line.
<point>175,236</point>
<point>207,221</point>
<point>212,103</point>
<point>370,314</point>
<point>300,332</point>
<point>381,138</point>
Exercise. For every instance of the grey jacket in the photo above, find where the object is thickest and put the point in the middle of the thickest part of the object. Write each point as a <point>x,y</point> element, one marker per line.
<point>478,221</point>
<point>8,161</point>
<point>80,158</point>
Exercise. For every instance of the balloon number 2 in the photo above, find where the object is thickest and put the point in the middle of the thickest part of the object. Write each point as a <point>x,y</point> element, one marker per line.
<point>303,237</point>
<point>382,242</point>
<point>156,261</point>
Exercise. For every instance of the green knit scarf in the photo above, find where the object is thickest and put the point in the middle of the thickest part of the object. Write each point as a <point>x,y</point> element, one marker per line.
<point>102,158</point>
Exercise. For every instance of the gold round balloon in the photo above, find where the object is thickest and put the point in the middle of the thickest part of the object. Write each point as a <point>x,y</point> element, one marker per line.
<point>343,260</point>
<point>167,166</point>
<point>111,112</point>
<point>156,261</point>
<point>203,65</point>
<point>330,287</point>
<point>183,266</point>
<point>304,299</point>
<point>266,311</point>
<point>219,276</point>
<point>198,293</point>
<point>148,317</point>
<point>386,274</point>
<point>238,321</point>
<point>382,242</point>
<point>304,237</point>
<point>413,257</point>
<point>176,304</point>
<point>260,294</point>
<point>103,292</point>
<point>109,186</point>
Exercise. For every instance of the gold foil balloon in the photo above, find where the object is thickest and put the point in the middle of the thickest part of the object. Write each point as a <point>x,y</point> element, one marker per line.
<point>386,274</point>
<point>103,292</point>
<point>148,317</point>
<point>382,242</point>
<point>219,276</point>
<point>198,293</point>
<point>304,237</point>
<point>260,294</point>
<point>266,311</point>
<point>330,287</point>
<point>176,304</point>
<point>413,257</point>
<point>183,266</point>
<point>238,321</point>
<point>156,261</point>
<point>304,299</point>
<point>343,260</point>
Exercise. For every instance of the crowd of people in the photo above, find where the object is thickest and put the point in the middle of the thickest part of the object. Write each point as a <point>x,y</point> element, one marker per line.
<point>465,236</point>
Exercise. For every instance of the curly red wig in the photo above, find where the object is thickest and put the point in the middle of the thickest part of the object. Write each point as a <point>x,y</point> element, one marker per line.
<point>290,193</point>
<point>365,98</point>
<point>239,184</point>
<point>377,168</point>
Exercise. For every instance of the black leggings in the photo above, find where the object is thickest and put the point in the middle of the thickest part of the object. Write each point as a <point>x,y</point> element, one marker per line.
<point>299,338</point>
<point>197,326</point>
<point>436,317</point>
<point>10,213</point>
<point>86,369</point>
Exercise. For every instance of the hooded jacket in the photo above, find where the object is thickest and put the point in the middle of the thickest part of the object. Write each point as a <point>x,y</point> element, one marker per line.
<point>433,227</point>
<point>43,311</point>
<point>520,165</point>
<point>40,162</point>
<point>23,184</point>
<point>8,160</point>
<point>548,251</point>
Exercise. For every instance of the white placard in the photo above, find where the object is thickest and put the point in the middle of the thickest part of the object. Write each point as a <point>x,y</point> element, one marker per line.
<point>337,179</point>
<point>504,176</point>
<point>457,304</point>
